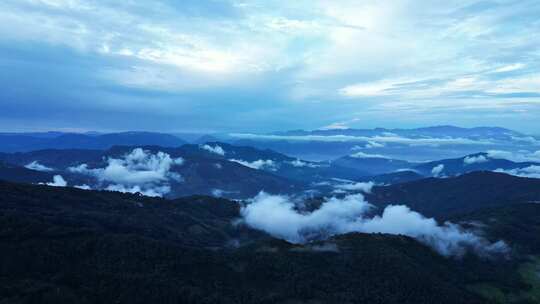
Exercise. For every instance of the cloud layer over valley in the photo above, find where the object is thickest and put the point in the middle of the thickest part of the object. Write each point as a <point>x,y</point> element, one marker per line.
<point>280,217</point>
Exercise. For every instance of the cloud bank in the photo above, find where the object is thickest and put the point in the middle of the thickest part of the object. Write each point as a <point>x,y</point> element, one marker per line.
<point>530,171</point>
<point>278,216</point>
<point>517,156</point>
<point>138,171</point>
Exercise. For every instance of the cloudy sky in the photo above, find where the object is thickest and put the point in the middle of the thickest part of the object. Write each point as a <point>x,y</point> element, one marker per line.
<point>240,65</point>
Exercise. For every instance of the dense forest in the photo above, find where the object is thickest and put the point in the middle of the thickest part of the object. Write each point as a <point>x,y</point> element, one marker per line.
<point>65,245</point>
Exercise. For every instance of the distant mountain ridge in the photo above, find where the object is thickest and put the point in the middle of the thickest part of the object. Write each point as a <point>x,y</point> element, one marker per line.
<point>410,144</point>
<point>418,144</point>
<point>445,130</point>
<point>446,197</point>
<point>470,163</point>
<point>24,142</point>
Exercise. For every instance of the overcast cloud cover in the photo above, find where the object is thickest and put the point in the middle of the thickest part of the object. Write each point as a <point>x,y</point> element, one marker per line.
<point>243,65</point>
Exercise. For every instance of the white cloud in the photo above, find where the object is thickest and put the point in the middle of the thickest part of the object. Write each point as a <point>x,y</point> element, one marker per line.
<point>83,187</point>
<point>215,149</point>
<point>221,193</point>
<point>278,216</point>
<point>510,68</point>
<point>299,164</point>
<point>366,155</point>
<point>469,160</point>
<point>481,85</point>
<point>267,164</point>
<point>530,171</point>
<point>379,88</point>
<point>58,181</point>
<point>437,170</point>
<point>515,156</point>
<point>138,171</point>
<point>361,186</point>
<point>334,50</point>
<point>372,144</point>
<point>38,167</point>
<point>335,126</point>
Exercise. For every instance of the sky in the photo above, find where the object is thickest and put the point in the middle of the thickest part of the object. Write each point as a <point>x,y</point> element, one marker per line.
<point>261,66</point>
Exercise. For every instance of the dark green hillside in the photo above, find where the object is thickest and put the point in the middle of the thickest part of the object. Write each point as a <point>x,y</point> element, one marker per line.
<point>517,224</point>
<point>62,245</point>
<point>22,175</point>
<point>442,198</point>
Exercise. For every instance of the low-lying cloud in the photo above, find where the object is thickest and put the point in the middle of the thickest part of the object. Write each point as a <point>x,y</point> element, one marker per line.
<point>530,171</point>
<point>215,149</point>
<point>260,164</point>
<point>360,186</point>
<point>366,155</point>
<point>437,170</point>
<point>38,167</point>
<point>279,216</point>
<point>519,156</point>
<point>83,187</point>
<point>58,181</point>
<point>138,171</point>
<point>469,160</point>
<point>301,164</point>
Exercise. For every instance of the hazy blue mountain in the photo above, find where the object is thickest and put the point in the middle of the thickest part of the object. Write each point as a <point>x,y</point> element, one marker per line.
<point>470,163</point>
<point>213,169</point>
<point>421,144</point>
<point>374,165</point>
<point>200,172</point>
<point>393,178</point>
<point>434,131</point>
<point>56,159</point>
<point>275,163</point>
<point>28,142</point>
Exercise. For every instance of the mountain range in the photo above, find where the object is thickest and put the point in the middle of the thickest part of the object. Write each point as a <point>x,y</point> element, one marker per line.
<point>141,217</point>
<point>23,142</point>
<point>427,143</point>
